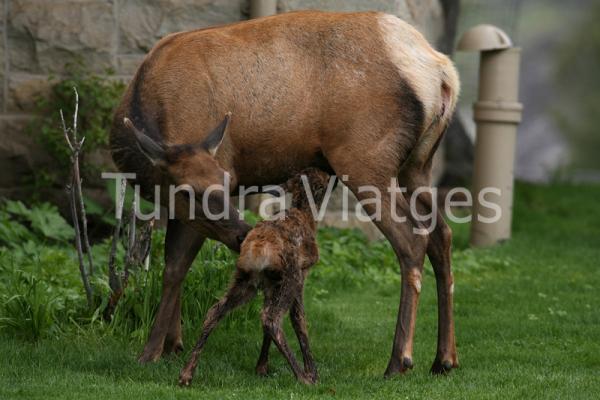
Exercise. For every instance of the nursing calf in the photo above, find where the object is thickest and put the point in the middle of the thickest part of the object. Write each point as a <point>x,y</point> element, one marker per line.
<point>275,258</point>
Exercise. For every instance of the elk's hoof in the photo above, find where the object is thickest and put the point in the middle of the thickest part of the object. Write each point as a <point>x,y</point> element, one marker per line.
<point>173,348</point>
<point>442,367</point>
<point>397,367</point>
<point>148,357</point>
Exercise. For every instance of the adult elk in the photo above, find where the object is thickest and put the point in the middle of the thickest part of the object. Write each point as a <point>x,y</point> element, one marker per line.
<point>356,94</point>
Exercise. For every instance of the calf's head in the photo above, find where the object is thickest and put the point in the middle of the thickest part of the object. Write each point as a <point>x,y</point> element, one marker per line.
<point>310,182</point>
<point>195,165</point>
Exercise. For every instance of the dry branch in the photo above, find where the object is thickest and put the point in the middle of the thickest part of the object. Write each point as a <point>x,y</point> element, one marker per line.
<point>75,196</point>
<point>137,252</point>
<point>114,282</point>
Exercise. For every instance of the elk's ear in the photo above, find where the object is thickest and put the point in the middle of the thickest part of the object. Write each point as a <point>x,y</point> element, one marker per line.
<point>155,152</point>
<point>215,138</point>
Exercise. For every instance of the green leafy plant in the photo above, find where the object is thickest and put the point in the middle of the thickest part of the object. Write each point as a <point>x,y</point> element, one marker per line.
<point>31,311</point>
<point>39,223</point>
<point>99,95</point>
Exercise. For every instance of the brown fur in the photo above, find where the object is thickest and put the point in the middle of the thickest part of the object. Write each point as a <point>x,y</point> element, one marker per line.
<point>275,257</point>
<point>356,94</point>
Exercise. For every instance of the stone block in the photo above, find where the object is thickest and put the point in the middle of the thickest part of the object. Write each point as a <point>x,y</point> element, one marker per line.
<point>23,90</point>
<point>425,15</point>
<point>139,24</point>
<point>20,154</point>
<point>339,5</point>
<point>2,65</point>
<point>127,64</point>
<point>44,36</point>
<point>142,23</point>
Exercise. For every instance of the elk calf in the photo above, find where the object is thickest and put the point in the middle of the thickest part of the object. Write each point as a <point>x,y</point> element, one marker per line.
<point>275,257</point>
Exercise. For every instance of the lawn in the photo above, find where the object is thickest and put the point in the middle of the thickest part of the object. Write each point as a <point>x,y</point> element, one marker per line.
<point>526,319</point>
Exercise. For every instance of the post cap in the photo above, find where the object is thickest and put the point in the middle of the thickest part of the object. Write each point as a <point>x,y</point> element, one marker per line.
<point>484,38</point>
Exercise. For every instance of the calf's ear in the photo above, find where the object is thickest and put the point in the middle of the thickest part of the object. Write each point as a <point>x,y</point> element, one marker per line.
<point>215,138</point>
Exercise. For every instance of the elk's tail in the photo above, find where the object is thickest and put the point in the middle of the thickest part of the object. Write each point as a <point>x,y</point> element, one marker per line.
<point>427,144</point>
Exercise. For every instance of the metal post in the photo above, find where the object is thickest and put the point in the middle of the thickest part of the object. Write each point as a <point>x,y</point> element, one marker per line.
<point>497,113</point>
<point>262,8</point>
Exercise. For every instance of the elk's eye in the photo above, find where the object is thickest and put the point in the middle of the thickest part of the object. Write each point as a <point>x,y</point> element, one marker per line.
<point>241,238</point>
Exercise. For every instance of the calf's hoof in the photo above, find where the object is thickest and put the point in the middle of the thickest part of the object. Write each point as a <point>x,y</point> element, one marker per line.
<point>306,379</point>
<point>185,379</point>
<point>314,377</point>
<point>397,367</point>
<point>262,370</point>
<point>443,366</point>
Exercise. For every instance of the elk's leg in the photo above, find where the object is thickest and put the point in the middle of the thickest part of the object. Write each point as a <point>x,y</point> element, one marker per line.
<point>402,231</point>
<point>242,290</point>
<point>182,244</point>
<point>174,339</point>
<point>439,252</point>
<point>376,170</point>
<point>411,260</point>
<point>262,365</point>
<point>298,318</point>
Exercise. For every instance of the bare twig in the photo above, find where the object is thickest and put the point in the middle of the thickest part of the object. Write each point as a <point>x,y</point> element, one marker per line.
<point>76,201</point>
<point>75,115</point>
<point>84,276</point>
<point>145,244</point>
<point>79,196</point>
<point>114,282</point>
<point>129,258</point>
<point>137,253</point>
<point>66,132</point>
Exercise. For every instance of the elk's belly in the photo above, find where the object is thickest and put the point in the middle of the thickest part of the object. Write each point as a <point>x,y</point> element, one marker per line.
<point>269,162</point>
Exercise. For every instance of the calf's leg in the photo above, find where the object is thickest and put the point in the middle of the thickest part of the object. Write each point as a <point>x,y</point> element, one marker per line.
<point>298,318</point>
<point>241,291</point>
<point>272,325</point>
<point>262,365</point>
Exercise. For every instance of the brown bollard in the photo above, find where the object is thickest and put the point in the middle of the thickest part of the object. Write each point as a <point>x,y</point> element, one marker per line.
<point>262,8</point>
<point>497,114</point>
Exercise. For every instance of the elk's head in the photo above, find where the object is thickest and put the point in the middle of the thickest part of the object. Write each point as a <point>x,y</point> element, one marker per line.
<point>195,166</point>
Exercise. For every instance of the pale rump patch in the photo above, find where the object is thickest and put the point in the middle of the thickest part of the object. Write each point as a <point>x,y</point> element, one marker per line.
<point>424,68</point>
<point>258,256</point>
<point>452,289</point>
<point>262,259</point>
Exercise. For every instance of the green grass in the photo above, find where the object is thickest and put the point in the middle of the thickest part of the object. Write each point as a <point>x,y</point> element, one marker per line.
<point>526,319</point>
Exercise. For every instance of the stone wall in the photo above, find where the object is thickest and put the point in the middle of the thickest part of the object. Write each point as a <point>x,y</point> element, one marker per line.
<point>38,37</point>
